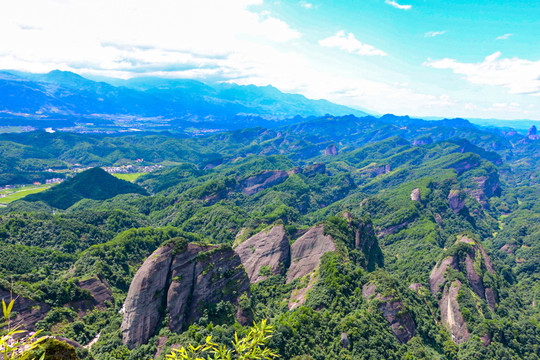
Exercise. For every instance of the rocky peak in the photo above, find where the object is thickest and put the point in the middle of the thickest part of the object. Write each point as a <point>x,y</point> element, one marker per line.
<point>532,133</point>
<point>469,258</point>
<point>416,195</point>
<point>306,252</point>
<point>393,310</point>
<point>456,200</point>
<point>179,277</point>
<point>264,254</point>
<point>331,150</point>
<point>265,179</point>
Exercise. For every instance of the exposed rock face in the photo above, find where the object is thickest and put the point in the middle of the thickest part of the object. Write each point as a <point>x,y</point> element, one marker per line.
<point>384,169</point>
<point>394,312</point>
<point>345,340</point>
<point>266,179</point>
<point>331,150</point>
<point>532,133</point>
<point>423,141</point>
<point>306,252</point>
<point>145,296</point>
<point>99,289</point>
<point>456,200</point>
<point>180,280</point>
<point>487,186</point>
<point>265,251</point>
<point>314,169</point>
<point>28,312</point>
<point>416,195</point>
<point>469,262</point>
<point>465,164</point>
<point>451,315</point>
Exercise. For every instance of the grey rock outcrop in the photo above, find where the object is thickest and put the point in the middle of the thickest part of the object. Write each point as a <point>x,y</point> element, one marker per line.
<point>267,250</point>
<point>456,200</point>
<point>306,252</point>
<point>416,195</point>
<point>331,150</point>
<point>266,179</point>
<point>28,312</point>
<point>181,280</point>
<point>473,263</point>
<point>451,314</point>
<point>145,296</point>
<point>393,310</point>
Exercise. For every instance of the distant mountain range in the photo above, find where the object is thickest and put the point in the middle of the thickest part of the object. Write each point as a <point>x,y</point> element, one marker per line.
<point>66,95</point>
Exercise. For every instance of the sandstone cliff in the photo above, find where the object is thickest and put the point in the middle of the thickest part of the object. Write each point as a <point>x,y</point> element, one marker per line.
<point>306,252</point>
<point>393,310</point>
<point>181,278</point>
<point>469,258</point>
<point>264,254</point>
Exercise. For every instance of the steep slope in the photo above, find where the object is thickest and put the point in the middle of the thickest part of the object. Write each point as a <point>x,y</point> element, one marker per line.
<point>94,184</point>
<point>182,278</point>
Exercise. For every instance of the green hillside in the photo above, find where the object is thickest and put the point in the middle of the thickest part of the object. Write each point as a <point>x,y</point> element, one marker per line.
<point>95,184</point>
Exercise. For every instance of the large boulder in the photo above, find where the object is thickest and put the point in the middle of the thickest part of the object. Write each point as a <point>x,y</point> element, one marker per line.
<point>181,278</point>
<point>393,310</point>
<point>468,257</point>
<point>306,252</point>
<point>266,253</point>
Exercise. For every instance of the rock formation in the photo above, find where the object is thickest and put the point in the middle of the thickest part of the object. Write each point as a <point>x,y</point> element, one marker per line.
<point>28,312</point>
<point>331,150</point>
<point>181,278</point>
<point>399,319</point>
<point>306,252</point>
<point>456,200</point>
<point>266,179</point>
<point>532,133</point>
<point>416,195</point>
<point>469,258</point>
<point>266,253</point>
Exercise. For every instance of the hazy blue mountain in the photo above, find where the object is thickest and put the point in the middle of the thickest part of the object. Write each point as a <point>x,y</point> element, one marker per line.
<point>68,94</point>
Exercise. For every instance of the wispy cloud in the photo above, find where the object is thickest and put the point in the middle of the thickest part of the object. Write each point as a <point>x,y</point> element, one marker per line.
<point>503,37</point>
<point>434,33</point>
<point>397,5</point>
<point>520,76</point>
<point>349,43</point>
<point>306,5</point>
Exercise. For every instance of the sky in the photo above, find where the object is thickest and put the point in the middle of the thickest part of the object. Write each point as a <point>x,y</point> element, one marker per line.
<point>460,58</point>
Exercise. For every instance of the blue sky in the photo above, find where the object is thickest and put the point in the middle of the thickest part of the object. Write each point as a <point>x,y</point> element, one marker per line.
<point>420,57</point>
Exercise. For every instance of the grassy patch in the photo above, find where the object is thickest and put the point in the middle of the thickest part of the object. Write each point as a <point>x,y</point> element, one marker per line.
<point>130,177</point>
<point>20,192</point>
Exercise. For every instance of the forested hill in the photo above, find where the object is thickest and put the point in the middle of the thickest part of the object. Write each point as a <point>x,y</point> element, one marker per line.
<point>356,238</point>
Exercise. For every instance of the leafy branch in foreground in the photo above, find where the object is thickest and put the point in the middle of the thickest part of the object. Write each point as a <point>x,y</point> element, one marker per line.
<point>11,344</point>
<point>251,347</point>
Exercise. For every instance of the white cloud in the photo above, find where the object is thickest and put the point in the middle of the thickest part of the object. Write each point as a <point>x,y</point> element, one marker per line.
<point>397,5</point>
<point>306,5</point>
<point>519,76</point>
<point>434,33</point>
<point>503,37</point>
<point>350,44</point>
<point>72,34</point>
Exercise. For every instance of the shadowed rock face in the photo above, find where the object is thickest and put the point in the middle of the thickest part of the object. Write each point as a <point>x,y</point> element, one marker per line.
<point>456,200</point>
<point>99,289</point>
<point>446,292</point>
<point>265,250</point>
<point>28,312</point>
<point>394,312</point>
<point>182,283</point>
<point>266,179</point>
<point>306,252</point>
<point>145,296</point>
<point>451,315</point>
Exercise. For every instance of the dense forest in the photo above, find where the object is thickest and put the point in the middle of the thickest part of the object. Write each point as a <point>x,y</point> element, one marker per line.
<point>354,238</point>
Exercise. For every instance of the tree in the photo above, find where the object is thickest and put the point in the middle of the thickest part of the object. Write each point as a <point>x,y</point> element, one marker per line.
<point>251,347</point>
